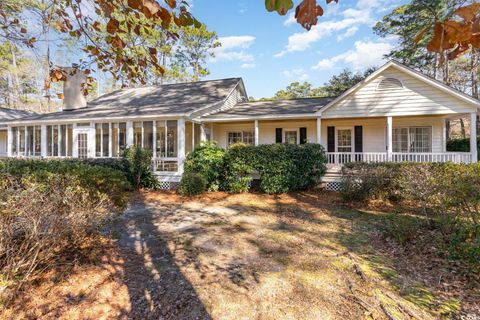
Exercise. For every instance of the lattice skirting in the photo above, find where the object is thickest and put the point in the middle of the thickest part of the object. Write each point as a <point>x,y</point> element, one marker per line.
<point>169,185</point>
<point>333,185</point>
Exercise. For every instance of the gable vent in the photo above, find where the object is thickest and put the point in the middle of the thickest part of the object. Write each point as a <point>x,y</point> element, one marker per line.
<point>390,84</point>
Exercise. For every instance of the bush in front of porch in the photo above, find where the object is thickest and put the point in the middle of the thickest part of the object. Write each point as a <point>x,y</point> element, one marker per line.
<point>444,199</point>
<point>462,145</point>
<point>281,167</point>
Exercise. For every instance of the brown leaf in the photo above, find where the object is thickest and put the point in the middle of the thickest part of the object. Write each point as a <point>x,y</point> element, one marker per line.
<point>23,30</point>
<point>171,3</point>
<point>96,26</point>
<point>135,4</point>
<point>60,96</point>
<point>112,26</point>
<point>307,13</point>
<point>150,8</point>
<point>440,42</point>
<point>468,13</point>
<point>459,51</point>
<point>153,51</point>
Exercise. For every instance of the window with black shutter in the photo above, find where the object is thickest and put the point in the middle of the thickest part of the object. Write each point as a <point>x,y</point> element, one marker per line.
<point>303,135</point>
<point>331,139</point>
<point>278,135</point>
<point>358,139</point>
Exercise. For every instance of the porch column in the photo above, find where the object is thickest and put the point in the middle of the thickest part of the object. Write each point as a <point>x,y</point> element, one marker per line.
<point>193,135</point>
<point>203,134</point>
<point>257,133</point>
<point>319,130</point>
<point>129,134</point>
<point>43,141</point>
<point>444,135</point>
<point>473,137</point>
<point>154,141</point>
<point>9,141</point>
<point>181,145</point>
<point>110,140</point>
<point>389,138</point>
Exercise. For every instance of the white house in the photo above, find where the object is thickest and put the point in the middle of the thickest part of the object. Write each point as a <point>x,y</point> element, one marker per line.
<point>396,114</point>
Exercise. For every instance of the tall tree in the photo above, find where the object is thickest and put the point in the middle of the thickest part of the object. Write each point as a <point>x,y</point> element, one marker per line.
<point>346,79</point>
<point>297,90</point>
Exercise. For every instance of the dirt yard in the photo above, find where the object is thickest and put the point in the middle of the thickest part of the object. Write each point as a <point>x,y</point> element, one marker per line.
<point>297,256</point>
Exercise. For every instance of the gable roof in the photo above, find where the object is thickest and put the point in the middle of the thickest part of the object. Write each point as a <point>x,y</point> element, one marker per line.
<point>7,115</point>
<point>177,99</point>
<point>271,109</point>
<point>414,73</point>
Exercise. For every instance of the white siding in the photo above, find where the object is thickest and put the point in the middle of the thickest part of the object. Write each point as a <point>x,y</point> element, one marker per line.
<point>416,98</point>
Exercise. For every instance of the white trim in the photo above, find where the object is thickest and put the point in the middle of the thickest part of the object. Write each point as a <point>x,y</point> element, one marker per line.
<point>257,133</point>
<point>319,130</point>
<point>409,141</point>
<point>473,137</point>
<point>312,116</point>
<point>352,136</point>
<point>411,72</point>
<point>284,131</point>
<point>227,132</point>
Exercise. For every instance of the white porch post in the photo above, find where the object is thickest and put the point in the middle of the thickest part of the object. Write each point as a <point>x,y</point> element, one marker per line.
<point>43,141</point>
<point>319,130</point>
<point>181,145</point>
<point>26,140</point>
<point>257,133</point>
<point>473,137</point>
<point>110,140</point>
<point>154,142</point>
<point>203,134</point>
<point>444,135</point>
<point>193,135</point>
<point>9,141</point>
<point>91,141</point>
<point>389,138</point>
<point>129,134</point>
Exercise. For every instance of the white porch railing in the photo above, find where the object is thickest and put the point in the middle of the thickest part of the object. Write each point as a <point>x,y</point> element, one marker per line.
<point>346,157</point>
<point>165,164</point>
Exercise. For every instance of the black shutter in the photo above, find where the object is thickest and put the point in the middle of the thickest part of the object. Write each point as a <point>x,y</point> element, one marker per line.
<point>303,135</point>
<point>358,139</point>
<point>331,139</point>
<point>278,135</point>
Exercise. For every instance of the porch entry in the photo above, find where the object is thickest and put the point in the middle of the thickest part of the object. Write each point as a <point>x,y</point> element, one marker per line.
<point>346,143</point>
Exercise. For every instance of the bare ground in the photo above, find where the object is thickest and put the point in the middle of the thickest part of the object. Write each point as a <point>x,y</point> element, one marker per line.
<point>297,256</point>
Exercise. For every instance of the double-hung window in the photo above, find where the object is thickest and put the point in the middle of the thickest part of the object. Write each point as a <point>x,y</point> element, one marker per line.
<point>412,139</point>
<point>245,137</point>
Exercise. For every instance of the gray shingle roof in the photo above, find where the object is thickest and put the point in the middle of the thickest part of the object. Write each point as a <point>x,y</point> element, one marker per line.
<point>276,108</point>
<point>169,99</point>
<point>7,115</point>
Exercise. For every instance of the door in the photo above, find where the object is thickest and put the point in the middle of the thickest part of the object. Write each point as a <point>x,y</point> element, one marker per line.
<point>82,145</point>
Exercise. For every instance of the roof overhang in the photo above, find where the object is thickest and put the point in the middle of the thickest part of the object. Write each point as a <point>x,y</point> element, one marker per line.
<point>418,75</point>
<point>265,117</point>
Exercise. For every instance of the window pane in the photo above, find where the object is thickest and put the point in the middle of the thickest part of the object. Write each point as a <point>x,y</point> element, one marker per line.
<point>30,141</point>
<point>400,140</point>
<point>291,137</point>
<point>82,145</point>
<point>69,140</point>
<point>160,139</point>
<point>21,142</point>
<point>172,138</point>
<point>63,139</point>
<point>420,139</point>
<point>38,141</point>
<point>122,137</point>
<point>148,135</point>
<point>234,137</point>
<point>98,140</point>
<point>55,141</point>
<point>49,141</point>
<point>14,141</point>
<point>137,134</point>
<point>248,137</point>
<point>105,139</point>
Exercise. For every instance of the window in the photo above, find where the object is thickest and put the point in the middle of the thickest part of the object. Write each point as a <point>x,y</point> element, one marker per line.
<point>291,136</point>
<point>246,137</point>
<point>119,133</point>
<point>33,141</point>
<point>344,143</point>
<point>148,135</point>
<point>137,134</point>
<point>166,139</point>
<point>102,140</point>
<point>14,140</point>
<point>412,139</point>
<point>37,141</point>
<point>21,141</point>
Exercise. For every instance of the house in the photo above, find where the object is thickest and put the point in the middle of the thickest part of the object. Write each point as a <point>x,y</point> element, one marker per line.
<point>396,114</point>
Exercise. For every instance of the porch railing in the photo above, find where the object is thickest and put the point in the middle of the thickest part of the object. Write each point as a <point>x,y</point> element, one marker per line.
<point>165,164</point>
<point>346,157</point>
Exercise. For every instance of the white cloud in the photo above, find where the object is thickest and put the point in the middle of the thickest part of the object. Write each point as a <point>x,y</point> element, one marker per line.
<point>248,66</point>
<point>290,19</point>
<point>234,48</point>
<point>349,33</point>
<point>350,21</point>
<point>366,54</point>
<point>296,74</point>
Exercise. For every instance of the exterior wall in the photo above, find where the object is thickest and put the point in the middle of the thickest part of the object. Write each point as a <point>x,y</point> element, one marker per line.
<point>3,143</point>
<point>266,129</point>
<point>236,96</point>
<point>416,98</point>
<point>374,130</point>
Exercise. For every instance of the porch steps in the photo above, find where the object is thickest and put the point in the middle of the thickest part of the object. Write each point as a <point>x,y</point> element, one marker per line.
<point>332,179</point>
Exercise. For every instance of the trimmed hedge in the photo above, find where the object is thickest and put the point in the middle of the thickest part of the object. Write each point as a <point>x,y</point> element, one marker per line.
<point>192,184</point>
<point>281,167</point>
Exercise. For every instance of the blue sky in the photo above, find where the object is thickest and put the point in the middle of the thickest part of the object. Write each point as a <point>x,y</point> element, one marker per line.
<point>271,51</point>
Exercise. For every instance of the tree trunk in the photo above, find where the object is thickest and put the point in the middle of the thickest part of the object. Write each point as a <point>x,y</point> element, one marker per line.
<point>462,127</point>
<point>446,72</point>
<point>15,81</point>
<point>474,74</point>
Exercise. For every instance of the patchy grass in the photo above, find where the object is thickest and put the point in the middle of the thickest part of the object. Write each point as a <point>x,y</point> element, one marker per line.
<point>249,256</point>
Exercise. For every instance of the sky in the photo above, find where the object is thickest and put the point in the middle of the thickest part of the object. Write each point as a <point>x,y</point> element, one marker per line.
<point>270,51</point>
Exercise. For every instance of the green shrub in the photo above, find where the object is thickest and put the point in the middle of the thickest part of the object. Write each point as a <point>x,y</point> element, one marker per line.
<point>462,145</point>
<point>139,168</point>
<point>239,164</point>
<point>192,184</point>
<point>207,159</point>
